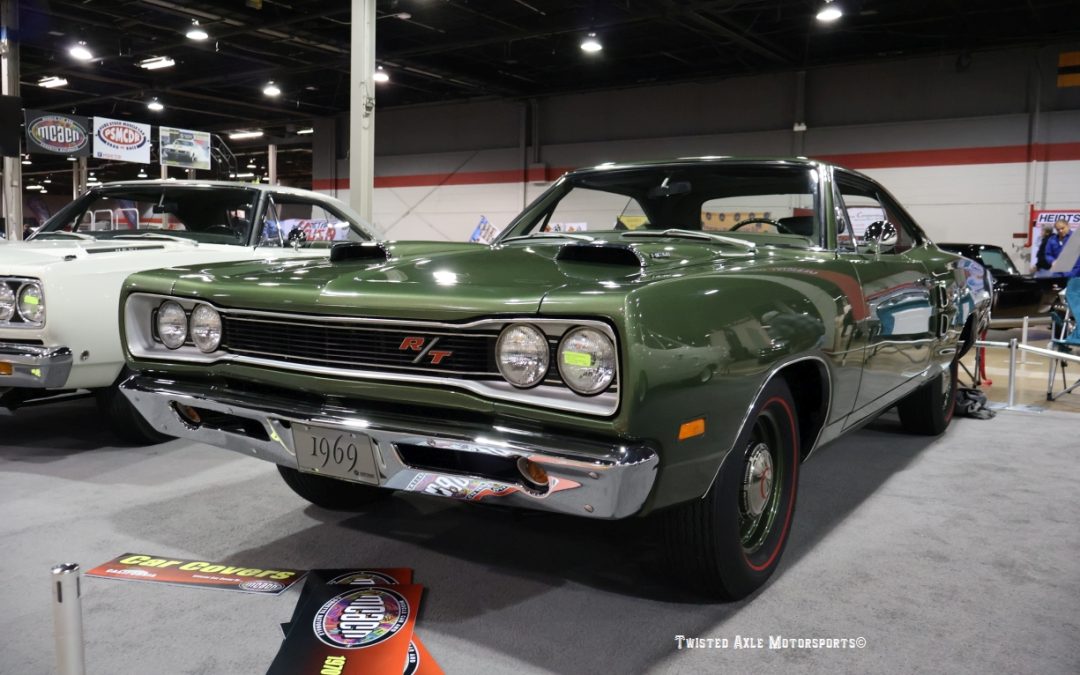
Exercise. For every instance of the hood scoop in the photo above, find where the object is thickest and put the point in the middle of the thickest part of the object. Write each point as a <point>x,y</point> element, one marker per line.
<point>359,251</point>
<point>602,254</point>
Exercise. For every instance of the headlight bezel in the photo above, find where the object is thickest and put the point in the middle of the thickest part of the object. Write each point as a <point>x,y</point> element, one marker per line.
<point>39,303</point>
<point>8,311</point>
<point>562,365</point>
<point>161,309</point>
<point>546,354</point>
<point>215,343</point>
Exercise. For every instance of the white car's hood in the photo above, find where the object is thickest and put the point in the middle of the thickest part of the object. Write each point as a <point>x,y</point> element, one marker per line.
<point>37,258</point>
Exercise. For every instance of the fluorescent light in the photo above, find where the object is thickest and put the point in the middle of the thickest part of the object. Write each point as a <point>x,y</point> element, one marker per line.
<point>830,12</point>
<point>591,44</point>
<point>155,105</point>
<point>381,75</point>
<point>196,31</point>
<point>35,187</point>
<point>305,132</point>
<point>157,62</point>
<point>73,159</point>
<point>48,179</point>
<point>271,89</point>
<point>142,173</point>
<point>252,166</point>
<point>241,135</point>
<point>52,81</point>
<point>26,159</point>
<point>242,175</point>
<point>81,52</point>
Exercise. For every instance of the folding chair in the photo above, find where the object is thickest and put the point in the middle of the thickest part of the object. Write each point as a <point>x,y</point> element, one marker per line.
<point>1067,329</point>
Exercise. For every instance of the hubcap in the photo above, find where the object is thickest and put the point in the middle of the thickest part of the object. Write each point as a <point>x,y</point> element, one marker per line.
<point>757,481</point>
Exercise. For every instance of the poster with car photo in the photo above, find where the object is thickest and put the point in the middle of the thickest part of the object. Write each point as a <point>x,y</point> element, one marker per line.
<point>184,148</point>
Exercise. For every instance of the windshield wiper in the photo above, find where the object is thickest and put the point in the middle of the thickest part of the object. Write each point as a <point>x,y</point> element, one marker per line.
<point>551,235</point>
<point>154,235</point>
<point>62,233</point>
<point>692,234</point>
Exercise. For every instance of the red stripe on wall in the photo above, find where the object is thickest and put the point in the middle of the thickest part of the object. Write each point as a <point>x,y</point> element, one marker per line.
<point>1004,154</point>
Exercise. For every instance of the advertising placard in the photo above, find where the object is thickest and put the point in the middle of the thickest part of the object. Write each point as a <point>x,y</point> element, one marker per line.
<point>184,148</point>
<point>198,573</point>
<point>1041,219</point>
<point>57,134</point>
<point>121,140</point>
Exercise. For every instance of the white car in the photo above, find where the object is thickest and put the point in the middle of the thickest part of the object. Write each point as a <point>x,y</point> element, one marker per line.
<point>183,150</point>
<point>59,291</point>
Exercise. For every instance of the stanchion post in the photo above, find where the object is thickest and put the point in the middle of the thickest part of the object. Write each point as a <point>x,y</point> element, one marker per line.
<point>67,619</point>
<point>978,366</point>
<point>1024,339</point>
<point>1012,372</point>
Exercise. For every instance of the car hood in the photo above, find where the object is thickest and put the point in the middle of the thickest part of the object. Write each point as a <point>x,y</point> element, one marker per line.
<point>40,258</point>
<point>445,281</point>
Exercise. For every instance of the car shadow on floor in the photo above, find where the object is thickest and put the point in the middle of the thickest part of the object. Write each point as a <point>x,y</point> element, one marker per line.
<point>56,430</point>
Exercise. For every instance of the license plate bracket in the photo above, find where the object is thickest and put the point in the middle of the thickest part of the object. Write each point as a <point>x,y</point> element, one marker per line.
<point>335,453</point>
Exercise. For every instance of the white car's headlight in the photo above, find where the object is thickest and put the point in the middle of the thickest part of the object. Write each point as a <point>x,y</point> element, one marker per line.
<point>587,360</point>
<point>7,302</point>
<point>172,324</point>
<point>522,355</point>
<point>32,303</point>
<point>206,328</point>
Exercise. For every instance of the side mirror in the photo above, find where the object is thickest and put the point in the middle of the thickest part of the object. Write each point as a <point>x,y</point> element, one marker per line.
<point>880,237</point>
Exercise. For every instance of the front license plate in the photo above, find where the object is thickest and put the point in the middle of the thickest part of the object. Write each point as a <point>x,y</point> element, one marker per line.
<point>335,453</point>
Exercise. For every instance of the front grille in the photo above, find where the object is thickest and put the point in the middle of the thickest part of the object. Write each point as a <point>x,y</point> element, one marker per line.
<point>362,347</point>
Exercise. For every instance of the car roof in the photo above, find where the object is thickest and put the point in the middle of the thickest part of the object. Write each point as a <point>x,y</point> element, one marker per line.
<point>702,161</point>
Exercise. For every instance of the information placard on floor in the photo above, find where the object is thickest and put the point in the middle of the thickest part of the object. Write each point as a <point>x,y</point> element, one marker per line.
<point>198,573</point>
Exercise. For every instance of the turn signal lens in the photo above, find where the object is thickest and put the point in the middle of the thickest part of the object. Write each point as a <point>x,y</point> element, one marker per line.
<point>692,428</point>
<point>6,369</point>
<point>533,473</point>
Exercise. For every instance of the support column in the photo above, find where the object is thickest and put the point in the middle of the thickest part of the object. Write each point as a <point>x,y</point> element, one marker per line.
<point>9,86</point>
<point>362,108</point>
<point>78,177</point>
<point>271,163</point>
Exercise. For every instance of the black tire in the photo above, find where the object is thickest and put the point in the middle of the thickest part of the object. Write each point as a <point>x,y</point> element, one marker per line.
<point>729,543</point>
<point>330,493</point>
<point>124,420</point>
<point>928,410</point>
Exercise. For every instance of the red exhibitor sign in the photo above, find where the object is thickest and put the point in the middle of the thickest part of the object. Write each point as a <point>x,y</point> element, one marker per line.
<point>199,573</point>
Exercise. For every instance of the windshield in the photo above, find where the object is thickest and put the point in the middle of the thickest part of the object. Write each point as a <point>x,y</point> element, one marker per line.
<point>998,261</point>
<point>218,215</point>
<point>773,203</point>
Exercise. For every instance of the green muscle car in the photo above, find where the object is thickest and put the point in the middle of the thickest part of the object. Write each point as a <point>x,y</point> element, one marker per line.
<point>671,338</point>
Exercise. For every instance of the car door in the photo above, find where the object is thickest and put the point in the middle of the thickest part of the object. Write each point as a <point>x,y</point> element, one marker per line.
<point>898,329</point>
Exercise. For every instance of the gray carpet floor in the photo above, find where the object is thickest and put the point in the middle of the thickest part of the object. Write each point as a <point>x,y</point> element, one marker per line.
<point>959,554</point>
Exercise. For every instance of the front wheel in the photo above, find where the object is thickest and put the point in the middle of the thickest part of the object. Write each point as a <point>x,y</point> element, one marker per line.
<point>729,543</point>
<point>331,493</point>
<point>928,410</point>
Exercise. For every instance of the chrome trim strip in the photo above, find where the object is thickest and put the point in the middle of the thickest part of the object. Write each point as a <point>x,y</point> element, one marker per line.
<point>141,345</point>
<point>35,367</point>
<point>601,479</point>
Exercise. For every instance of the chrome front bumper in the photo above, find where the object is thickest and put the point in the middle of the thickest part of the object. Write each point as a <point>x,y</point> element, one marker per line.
<point>34,367</point>
<point>597,479</point>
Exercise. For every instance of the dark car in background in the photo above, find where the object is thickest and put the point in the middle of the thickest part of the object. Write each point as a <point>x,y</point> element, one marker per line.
<point>1016,295</point>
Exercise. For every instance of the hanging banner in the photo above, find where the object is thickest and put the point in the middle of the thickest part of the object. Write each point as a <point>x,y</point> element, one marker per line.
<point>199,573</point>
<point>184,148</point>
<point>57,134</point>
<point>121,141</point>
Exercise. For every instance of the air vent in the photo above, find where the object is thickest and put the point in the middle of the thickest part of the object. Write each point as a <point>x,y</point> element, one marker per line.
<point>603,254</point>
<point>358,251</point>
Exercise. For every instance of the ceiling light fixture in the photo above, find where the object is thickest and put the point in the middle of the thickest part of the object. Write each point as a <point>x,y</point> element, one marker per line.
<point>26,160</point>
<point>156,62</point>
<point>72,159</point>
<point>196,32</point>
<point>80,51</point>
<point>35,187</point>
<point>241,135</point>
<point>591,44</point>
<point>251,165</point>
<point>48,179</point>
<point>142,173</point>
<point>381,75</point>
<point>271,89</point>
<point>52,81</point>
<point>155,105</point>
<point>305,132</point>
<point>829,12</point>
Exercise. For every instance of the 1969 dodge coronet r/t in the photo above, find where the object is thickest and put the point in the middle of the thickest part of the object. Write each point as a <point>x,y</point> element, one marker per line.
<point>58,291</point>
<point>673,336</point>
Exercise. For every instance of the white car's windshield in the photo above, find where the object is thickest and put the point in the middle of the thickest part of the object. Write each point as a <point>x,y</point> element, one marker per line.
<point>219,215</point>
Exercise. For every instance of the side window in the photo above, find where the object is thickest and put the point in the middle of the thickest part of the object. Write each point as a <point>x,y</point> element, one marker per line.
<point>285,217</point>
<point>864,204</point>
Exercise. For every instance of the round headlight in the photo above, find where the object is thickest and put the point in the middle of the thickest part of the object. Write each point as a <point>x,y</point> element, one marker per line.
<point>172,324</point>
<point>206,328</point>
<point>522,355</point>
<point>7,302</point>
<point>32,303</point>
<point>587,360</point>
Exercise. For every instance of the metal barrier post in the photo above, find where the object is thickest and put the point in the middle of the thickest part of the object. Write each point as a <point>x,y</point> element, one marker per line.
<point>67,620</point>
<point>1012,372</point>
<point>1024,339</point>
<point>978,366</point>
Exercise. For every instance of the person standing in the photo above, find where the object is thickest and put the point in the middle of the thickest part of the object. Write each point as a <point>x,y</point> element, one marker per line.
<point>1041,263</point>
<point>1058,240</point>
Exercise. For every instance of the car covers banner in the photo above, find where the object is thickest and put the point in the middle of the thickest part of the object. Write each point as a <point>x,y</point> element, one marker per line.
<point>184,148</point>
<point>57,134</point>
<point>121,140</point>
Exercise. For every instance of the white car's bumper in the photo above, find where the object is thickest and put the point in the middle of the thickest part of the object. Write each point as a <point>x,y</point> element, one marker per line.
<point>32,367</point>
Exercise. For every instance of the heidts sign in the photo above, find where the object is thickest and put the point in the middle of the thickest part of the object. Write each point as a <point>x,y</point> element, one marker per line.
<point>57,134</point>
<point>121,140</point>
